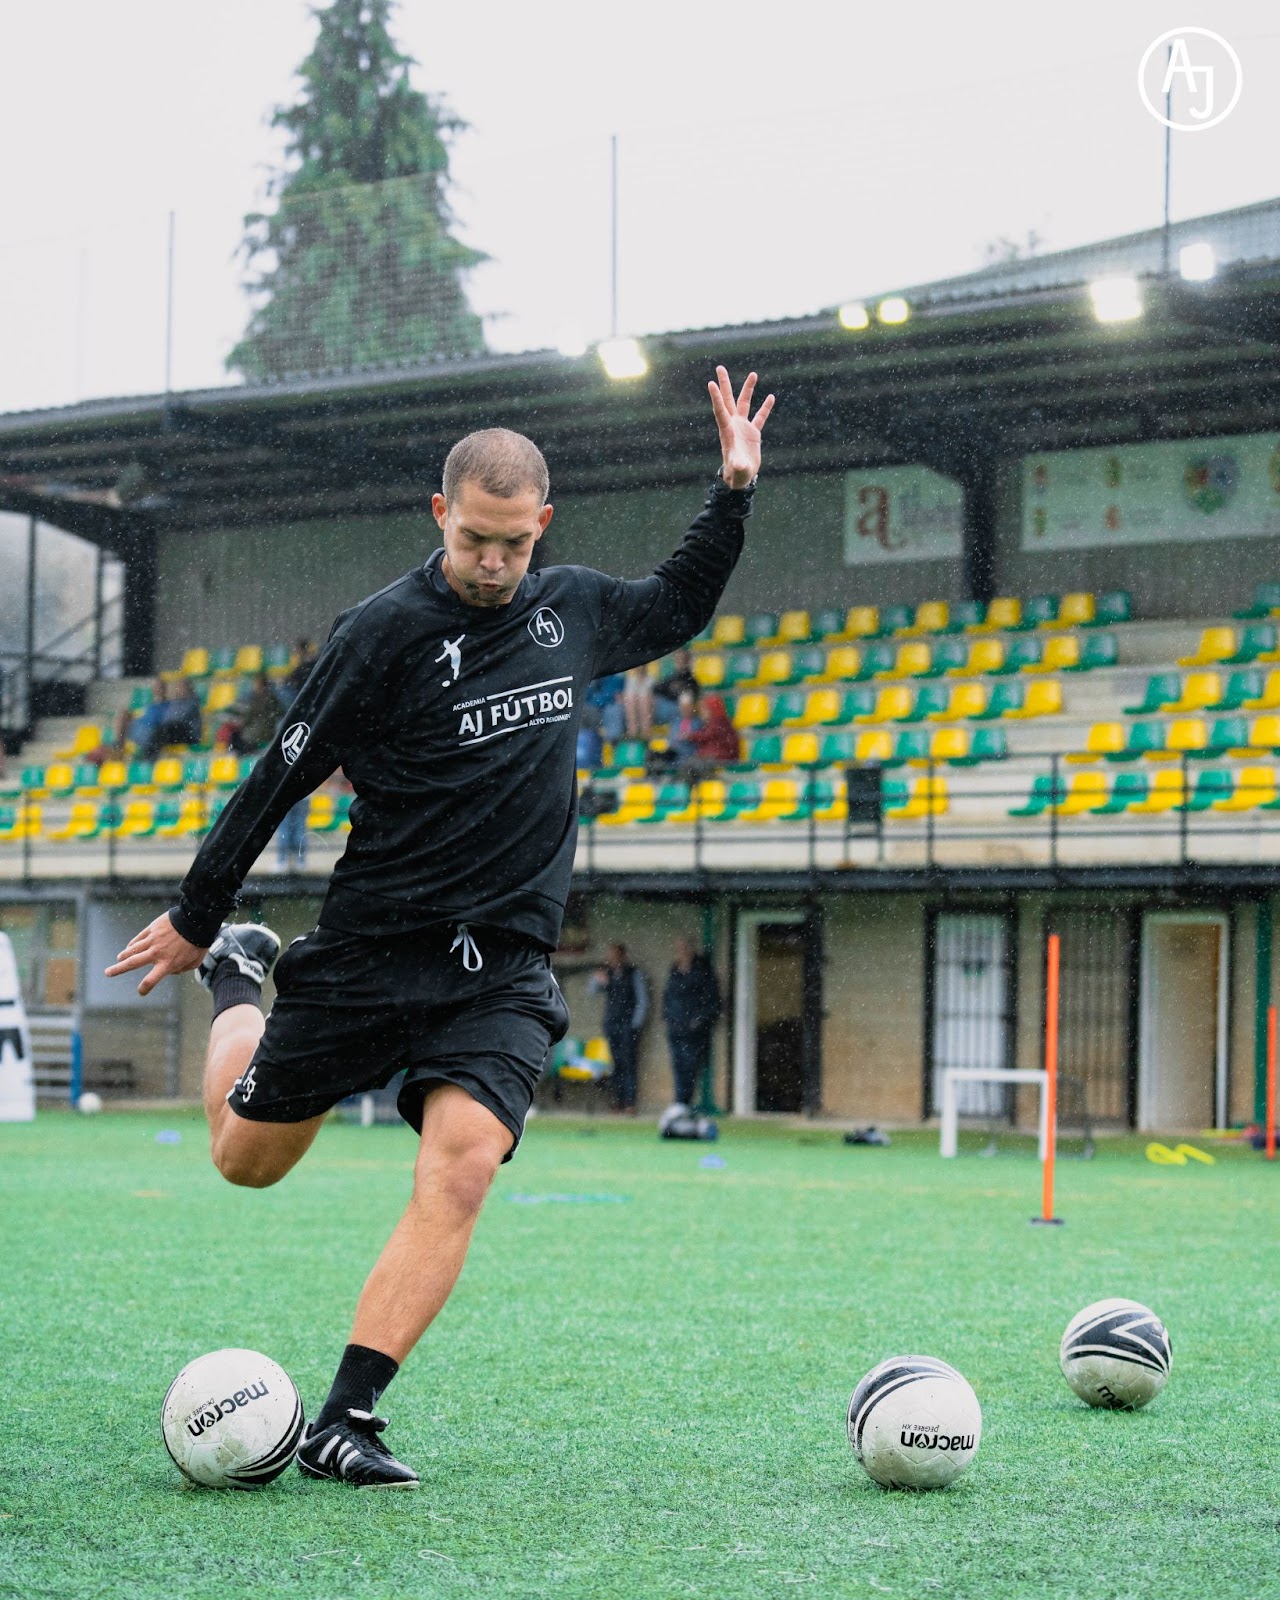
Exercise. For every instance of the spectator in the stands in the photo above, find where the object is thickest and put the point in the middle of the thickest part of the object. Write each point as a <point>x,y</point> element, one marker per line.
<point>252,722</point>
<point>637,703</point>
<point>682,736</point>
<point>666,697</point>
<point>176,722</point>
<point>148,721</point>
<point>590,744</point>
<point>716,742</point>
<point>304,659</point>
<point>605,696</point>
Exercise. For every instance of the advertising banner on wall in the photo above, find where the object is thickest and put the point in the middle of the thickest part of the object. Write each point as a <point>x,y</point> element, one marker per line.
<point>1178,491</point>
<point>901,514</point>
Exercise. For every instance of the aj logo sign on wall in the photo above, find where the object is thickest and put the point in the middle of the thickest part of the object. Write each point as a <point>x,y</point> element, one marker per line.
<point>1190,79</point>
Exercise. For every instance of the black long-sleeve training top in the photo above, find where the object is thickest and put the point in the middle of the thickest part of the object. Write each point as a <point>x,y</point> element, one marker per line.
<point>457,726</point>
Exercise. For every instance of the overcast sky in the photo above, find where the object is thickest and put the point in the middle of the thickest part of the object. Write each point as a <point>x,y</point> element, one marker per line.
<point>774,157</point>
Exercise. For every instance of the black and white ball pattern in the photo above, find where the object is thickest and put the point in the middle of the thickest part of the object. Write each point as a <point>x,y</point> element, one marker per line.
<point>1116,1354</point>
<point>914,1423</point>
<point>232,1420</point>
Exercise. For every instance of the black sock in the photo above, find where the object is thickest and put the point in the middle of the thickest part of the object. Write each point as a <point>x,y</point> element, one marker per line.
<point>363,1374</point>
<point>232,988</point>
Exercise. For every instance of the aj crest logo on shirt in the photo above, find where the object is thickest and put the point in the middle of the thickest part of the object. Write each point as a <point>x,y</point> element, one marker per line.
<point>546,628</point>
<point>294,741</point>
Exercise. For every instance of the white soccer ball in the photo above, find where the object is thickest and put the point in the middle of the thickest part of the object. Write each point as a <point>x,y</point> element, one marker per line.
<point>232,1420</point>
<point>914,1423</point>
<point>89,1103</point>
<point>1116,1354</point>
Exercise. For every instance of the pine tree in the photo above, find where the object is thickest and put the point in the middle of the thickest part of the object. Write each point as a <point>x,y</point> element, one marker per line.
<point>358,262</point>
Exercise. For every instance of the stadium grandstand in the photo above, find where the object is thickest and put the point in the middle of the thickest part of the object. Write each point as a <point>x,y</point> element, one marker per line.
<point>1002,658</point>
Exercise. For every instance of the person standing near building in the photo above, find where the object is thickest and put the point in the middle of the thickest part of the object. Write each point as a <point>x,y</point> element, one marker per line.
<point>690,1008</point>
<point>626,1010</point>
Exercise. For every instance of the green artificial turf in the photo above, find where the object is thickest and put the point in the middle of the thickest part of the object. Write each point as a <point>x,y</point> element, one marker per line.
<point>641,1390</point>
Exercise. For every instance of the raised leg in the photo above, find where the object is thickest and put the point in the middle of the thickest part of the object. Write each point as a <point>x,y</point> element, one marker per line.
<point>252,1154</point>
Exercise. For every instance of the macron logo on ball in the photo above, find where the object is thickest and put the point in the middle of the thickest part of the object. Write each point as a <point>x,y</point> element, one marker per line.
<point>294,741</point>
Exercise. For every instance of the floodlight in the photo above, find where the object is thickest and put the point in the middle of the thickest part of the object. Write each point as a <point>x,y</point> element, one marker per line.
<point>570,343</point>
<point>622,358</point>
<point>1196,261</point>
<point>1116,299</point>
<point>893,309</point>
<point>853,315</point>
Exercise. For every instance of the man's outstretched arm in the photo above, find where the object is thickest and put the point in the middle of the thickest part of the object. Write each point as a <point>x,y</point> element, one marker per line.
<point>644,619</point>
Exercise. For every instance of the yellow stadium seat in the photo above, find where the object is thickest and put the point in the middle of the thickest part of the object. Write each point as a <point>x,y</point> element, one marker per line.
<point>167,773</point>
<point>706,802</point>
<point>192,818</point>
<point>1184,735</point>
<point>1216,644</point>
<point>932,616</point>
<point>926,796</point>
<point>794,627</point>
<point>1168,791</point>
<point>800,749</point>
<point>822,707</point>
<point>1086,791</point>
<point>195,664</point>
<point>1265,733</point>
<point>1105,739</point>
<point>598,1050</point>
<point>892,705</point>
<point>873,744</point>
<point>708,669</point>
<point>81,824</point>
<point>139,818</point>
<point>843,662</point>
<point>778,798</point>
<point>911,661</point>
<point>751,711</point>
<point>838,809</point>
<point>949,744</point>
<point>28,822</point>
<point>1255,786</point>
<point>113,775</point>
<point>637,802</point>
<point>88,737</point>
<point>729,630</point>
<point>320,811</point>
<point>985,655</point>
<point>1269,699</point>
<point>862,622</point>
<point>1061,652</point>
<point>1075,611</point>
<point>1199,689</point>
<point>775,667</point>
<point>1005,611</point>
<point>1044,699</point>
<point>967,700</point>
<point>221,695</point>
<point>224,772</point>
<point>248,659</point>
<point>60,778</point>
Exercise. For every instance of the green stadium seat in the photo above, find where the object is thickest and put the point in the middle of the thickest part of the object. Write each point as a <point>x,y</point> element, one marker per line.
<point>808,662</point>
<point>932,701</point>
<point>86,779</point>
<point>1129,788</point>
<point>1242,687</point>
<point>1112,608</point>
<point>967,614</point>
<point>628,755</point>
<point>1022,653</point>
<point>767,750</point>
<point>1100,650</point>
<point>1045,793</point>
<point>762,625</point>
<point>828,624</point>
<point>876,659</point>
<point>140,698</point>
<point>1211,785</point>
<point>1266,601</point>
<point>949,655</point>
<point>989,744</point>
<point>912,744</point>
<point>1041,611</point>
<point>223,660</point>
<point>1257,643</point>
<point>1005,697</point>
<point>1225,735</point>
<point>838,748</point>
<point>895,619</point>
<point>741,667</point>
<point>1145,739</point>
<point>743,795</point>
<point>671,797</point>
<point>787,707</point>
<point>32,779</point>
<point>1163,688</point>
<point>277,659</point>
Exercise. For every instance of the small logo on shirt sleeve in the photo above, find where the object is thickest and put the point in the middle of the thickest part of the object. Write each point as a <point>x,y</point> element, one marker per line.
<point>546,628</point>
<point>294,741</point>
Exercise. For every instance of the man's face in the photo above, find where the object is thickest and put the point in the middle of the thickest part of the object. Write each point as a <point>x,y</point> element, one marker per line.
<point>488,541</point>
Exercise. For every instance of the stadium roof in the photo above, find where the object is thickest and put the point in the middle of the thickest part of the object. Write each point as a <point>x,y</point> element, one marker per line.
<point>996,363</point>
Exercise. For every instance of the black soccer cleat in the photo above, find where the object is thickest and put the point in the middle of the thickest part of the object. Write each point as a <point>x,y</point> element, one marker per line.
<point>351,1452</point>
<point>251,946</point>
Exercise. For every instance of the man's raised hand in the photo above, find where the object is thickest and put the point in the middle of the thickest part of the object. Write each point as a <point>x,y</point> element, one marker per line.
<point>739,430</point>
<point>162,948</point>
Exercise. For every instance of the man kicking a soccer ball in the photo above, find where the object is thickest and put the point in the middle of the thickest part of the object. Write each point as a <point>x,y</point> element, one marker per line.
<point>451,699</point>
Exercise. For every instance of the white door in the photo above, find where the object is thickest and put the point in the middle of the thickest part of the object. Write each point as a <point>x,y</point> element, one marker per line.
<point>971,992</point>
<point>1182,1052</point>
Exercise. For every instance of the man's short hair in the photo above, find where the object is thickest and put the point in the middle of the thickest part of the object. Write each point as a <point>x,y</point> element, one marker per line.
<point>499,461</point>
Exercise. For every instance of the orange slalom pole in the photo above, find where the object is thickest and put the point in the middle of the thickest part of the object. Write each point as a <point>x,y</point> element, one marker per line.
<point>1051,1078</point>
<point>1271,1083</point>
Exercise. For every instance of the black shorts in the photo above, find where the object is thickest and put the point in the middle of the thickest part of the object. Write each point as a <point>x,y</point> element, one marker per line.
<point>351,1011</point>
